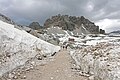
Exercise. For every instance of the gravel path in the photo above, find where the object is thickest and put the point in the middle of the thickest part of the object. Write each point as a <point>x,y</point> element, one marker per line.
<point>58,69</point>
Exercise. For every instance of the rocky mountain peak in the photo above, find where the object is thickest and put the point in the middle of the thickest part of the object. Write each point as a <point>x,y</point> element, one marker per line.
<point>71,23</point>
<point>82,17</point>
<point>35,25</point>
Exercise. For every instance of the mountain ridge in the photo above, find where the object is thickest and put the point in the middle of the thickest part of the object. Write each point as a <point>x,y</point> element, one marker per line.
<point>6,19</point>
<point>71,23</point>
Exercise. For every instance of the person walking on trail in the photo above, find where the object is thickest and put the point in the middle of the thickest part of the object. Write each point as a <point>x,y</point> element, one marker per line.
<point>66,46</point>
<point>63,47</point>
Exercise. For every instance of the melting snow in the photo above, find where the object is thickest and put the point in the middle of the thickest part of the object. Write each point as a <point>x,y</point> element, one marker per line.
<point>21,46</point>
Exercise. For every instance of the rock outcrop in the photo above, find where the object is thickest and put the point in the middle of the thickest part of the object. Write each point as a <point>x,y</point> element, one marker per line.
<point>35,26</point>
<point>71,23</point>
<point>6,19</point>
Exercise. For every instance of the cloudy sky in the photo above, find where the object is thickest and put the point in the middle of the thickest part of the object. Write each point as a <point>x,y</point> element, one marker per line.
<point>105,13</point>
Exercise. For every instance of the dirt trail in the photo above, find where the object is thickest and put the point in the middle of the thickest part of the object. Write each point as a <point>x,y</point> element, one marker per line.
<point>58,69</point>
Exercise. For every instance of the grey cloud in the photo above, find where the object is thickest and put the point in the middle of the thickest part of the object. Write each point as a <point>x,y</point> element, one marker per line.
<point>26,11</point>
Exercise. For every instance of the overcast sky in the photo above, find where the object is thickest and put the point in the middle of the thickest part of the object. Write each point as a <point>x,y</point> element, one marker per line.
<point>105,13</point>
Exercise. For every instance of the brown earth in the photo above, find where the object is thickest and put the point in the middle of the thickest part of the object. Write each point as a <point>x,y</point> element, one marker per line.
<point>58,69</point>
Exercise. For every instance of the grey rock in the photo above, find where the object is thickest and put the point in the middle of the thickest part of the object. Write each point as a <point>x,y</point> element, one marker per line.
<point>71,23</point>
<point>6,19</point>
<point>35,25</point>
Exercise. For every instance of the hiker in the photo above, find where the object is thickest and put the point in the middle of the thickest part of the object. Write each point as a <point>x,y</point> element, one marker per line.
<point>66,46</point>
<point>63,46</point>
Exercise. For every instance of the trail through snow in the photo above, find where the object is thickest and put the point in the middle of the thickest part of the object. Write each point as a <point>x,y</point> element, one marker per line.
<point>58,69</point>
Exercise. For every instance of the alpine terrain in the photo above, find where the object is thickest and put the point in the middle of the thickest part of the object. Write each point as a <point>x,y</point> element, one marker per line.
<point>64,48</point>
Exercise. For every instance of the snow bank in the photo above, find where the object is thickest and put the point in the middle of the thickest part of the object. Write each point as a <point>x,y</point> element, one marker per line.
<point>101,61</point>
<point>18,46</point>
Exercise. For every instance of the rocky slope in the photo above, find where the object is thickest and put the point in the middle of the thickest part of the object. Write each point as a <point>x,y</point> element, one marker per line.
<point>72,23</point>
<point>6,19</point>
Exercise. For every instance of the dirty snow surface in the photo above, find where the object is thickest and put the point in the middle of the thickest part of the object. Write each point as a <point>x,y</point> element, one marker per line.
<point>101,61</point>
<point>18,46</point>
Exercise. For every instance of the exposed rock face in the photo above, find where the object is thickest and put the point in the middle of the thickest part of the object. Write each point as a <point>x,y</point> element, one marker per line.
<point>71,23</point>
<point>35,25</point>
<point>6,19</point>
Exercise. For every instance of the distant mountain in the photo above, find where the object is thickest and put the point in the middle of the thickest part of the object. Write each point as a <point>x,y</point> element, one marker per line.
<point>115,33</point>
<point>35,26</point>
<point>72,23</point>
<point>6,19</point>
<point>118,32</point>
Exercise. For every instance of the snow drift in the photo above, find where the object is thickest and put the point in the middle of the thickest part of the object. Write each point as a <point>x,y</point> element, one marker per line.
<point>18,46</point>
